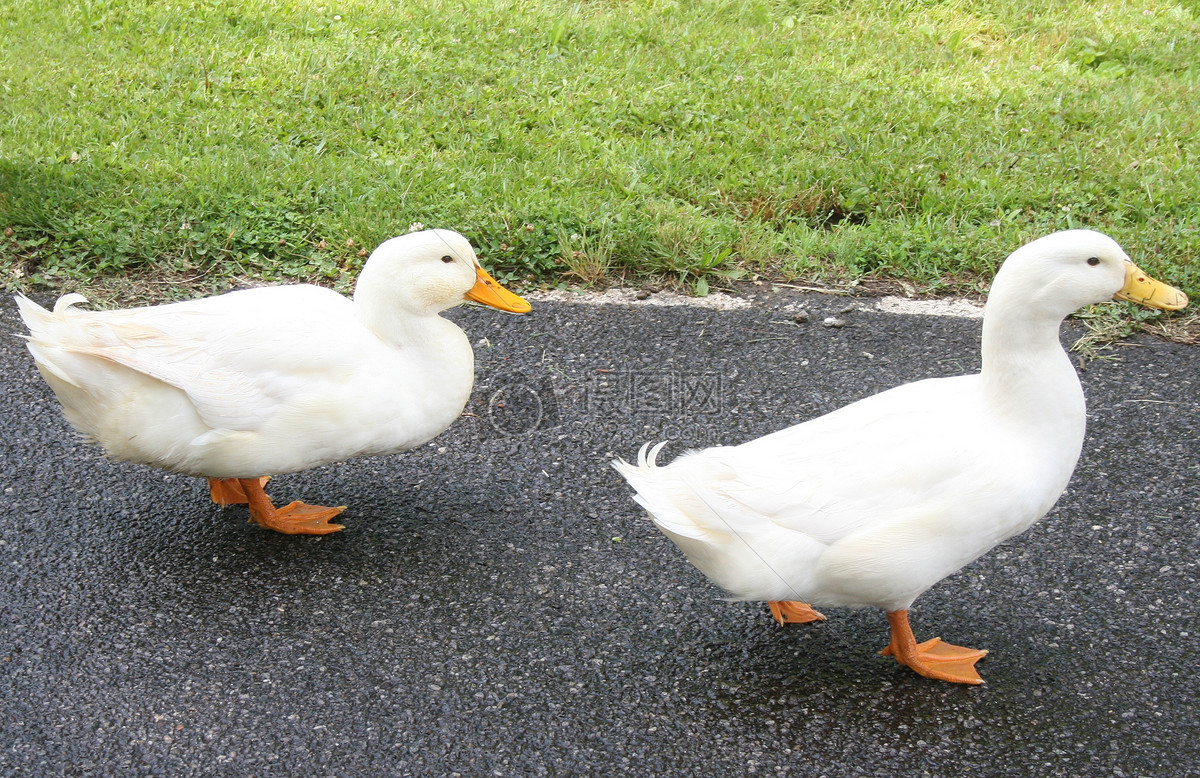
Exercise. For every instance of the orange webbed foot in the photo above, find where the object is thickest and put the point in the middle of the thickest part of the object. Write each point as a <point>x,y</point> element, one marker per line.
<point>794,612</point>
<point>296,518</point>
<point>934,659</point>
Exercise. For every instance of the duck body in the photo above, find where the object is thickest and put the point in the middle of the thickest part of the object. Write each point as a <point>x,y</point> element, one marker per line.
<point>195,387</point>
<point>825,512</point>
<point>874,503</point>
<point>272,380</point>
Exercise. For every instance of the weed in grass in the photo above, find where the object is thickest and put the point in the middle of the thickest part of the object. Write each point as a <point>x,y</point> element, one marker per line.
<point>1109,322</point>
<point>586,258</point>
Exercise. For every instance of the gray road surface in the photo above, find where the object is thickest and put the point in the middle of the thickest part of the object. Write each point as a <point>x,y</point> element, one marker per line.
<point>498,605</point>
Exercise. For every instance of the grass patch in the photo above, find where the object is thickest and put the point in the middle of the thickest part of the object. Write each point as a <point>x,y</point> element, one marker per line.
<point>821,140</point>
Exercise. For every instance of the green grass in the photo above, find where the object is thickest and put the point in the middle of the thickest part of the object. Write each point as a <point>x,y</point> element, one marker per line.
<point>823,140</point>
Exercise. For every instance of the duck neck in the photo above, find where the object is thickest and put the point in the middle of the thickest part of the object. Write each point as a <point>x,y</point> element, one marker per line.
<point>424,337</point>
<point>397,328</point>
<point>382,311</point>
<point>1026,373</point>
<point>433,350</point>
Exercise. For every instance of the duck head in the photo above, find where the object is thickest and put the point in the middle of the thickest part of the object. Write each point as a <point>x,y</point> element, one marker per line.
<point>1056,275</point>
<point>424,273</point>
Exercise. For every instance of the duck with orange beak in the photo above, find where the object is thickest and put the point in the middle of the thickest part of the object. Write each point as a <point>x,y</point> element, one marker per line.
<point>876,502</point>
<point>242,386</point>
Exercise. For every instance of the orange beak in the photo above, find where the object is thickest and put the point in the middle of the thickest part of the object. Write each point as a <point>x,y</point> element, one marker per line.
<point>1142,289</point>
<point>488,291</point>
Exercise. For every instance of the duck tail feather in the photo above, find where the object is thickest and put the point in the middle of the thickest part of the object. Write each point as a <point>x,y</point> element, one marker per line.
<point>31,313</point>
<point>46,332</point>
<point>37,318</point>
<point>659,493</point>
<point>66,301</point>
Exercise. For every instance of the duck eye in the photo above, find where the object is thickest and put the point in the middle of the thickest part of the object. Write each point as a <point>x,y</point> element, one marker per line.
<point>1093,261</point>
<point>448,259</point>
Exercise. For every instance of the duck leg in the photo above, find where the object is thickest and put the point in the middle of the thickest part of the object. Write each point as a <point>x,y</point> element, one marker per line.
<point>933,658</point>
<point>296,518</point>
<point>228,491</point>
<point>794,612</point>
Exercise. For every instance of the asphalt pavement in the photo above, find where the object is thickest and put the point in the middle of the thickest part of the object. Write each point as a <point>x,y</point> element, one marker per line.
<point>498,605</point>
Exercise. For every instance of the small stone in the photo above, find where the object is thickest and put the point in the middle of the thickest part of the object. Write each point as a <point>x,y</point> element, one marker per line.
<point>834,322</point>
<point>801,316</point>
<point>642,295</point>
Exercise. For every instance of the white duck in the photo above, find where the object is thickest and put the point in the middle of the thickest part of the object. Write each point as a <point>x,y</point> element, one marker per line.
<point>874,503</point>
<point>273,380</point>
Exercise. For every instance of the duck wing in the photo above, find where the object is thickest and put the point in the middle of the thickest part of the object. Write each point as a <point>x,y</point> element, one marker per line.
<point>913,449</point>
<point>238,357</point>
